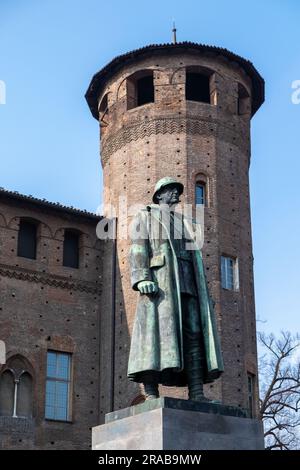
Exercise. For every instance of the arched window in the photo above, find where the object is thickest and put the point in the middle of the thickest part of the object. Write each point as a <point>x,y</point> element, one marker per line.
<point>27,238</point>
<point>71,249</point>
<point>244,102</point>
<point>198,84</point>
<point>103,111</point>
<point>140,88</point>
<point>7,387</point>
<point>24,402</point>
<point>16,390</point>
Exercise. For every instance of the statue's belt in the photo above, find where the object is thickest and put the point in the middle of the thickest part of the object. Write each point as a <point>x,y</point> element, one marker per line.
<point>183,255</point>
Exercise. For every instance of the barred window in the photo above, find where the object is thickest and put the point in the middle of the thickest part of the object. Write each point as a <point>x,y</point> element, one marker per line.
<point>58,386</point>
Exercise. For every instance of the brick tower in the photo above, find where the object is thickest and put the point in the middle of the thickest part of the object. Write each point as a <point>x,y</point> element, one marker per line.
<point>181,110</point>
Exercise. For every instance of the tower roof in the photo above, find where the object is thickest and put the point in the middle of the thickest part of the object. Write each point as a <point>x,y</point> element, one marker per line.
<point>100,78</point>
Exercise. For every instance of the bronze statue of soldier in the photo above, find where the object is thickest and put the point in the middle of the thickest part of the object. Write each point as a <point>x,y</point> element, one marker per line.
<point>174,340</point>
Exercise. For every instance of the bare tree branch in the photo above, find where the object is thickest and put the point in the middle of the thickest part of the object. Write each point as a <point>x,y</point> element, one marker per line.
<point>280,390</point>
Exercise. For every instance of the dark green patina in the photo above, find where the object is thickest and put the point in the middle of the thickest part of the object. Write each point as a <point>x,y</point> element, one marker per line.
<point>174,339</point>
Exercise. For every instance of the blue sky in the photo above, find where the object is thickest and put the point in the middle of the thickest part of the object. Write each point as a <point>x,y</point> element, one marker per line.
<point>49,142</point>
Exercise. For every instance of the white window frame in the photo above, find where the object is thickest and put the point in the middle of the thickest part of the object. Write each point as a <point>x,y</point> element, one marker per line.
<point>57,379</point>
<point>225,275</point>
<point>203,186</point>
<point>17,378</point>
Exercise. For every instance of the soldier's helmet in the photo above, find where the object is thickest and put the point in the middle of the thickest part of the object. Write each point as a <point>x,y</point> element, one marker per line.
<point>166,181</point>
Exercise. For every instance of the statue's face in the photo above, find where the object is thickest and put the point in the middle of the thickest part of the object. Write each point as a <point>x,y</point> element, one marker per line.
<point>169,195</point>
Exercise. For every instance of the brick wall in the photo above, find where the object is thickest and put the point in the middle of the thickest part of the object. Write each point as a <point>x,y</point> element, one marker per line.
<point>179,138</point>
<point>45,306</point>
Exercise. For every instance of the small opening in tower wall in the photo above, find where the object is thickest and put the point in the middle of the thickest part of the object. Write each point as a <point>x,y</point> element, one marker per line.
<point>197,86</point>
<point>140,89</point>
<point>103,111</point>
<point>145,90</point>
<point>244,101</point>
<point>71,249</point>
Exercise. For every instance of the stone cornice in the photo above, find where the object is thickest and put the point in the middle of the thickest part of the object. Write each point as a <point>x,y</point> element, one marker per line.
<point>48,279</point>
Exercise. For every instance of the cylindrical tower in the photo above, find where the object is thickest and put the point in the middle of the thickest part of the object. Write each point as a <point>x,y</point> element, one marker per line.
<point>182,110</point>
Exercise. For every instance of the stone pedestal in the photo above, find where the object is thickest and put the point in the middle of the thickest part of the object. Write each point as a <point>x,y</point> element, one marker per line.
<point>172,424</point>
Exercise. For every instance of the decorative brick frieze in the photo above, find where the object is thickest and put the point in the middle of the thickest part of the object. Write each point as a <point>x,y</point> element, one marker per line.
<point>49,279</point>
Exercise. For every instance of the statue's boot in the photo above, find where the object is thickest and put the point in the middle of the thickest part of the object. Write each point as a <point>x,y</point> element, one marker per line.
<point>194,370</point>
<point>151,391</point>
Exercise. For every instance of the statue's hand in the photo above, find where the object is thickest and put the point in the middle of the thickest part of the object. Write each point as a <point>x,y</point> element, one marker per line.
<point>147,287</point>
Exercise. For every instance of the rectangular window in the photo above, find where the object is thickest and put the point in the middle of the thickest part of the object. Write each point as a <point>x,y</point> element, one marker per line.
<point>140,88</point>
<point>145,90</point>
<point>27,239</point>
<point>251,379</point>
<point>58,386</point>
<point>244,101</point>
<point>71,249</point>
<point>200,194</point>
<point>229,273</point>
<point>197,87</point>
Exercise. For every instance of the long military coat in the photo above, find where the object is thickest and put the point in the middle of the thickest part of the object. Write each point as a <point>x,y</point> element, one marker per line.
<point>157,337</point>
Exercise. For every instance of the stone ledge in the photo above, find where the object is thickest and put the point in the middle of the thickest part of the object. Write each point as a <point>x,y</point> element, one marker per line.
<point>175,428</point>
<point>9,424</point>
<point>176,404</point>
